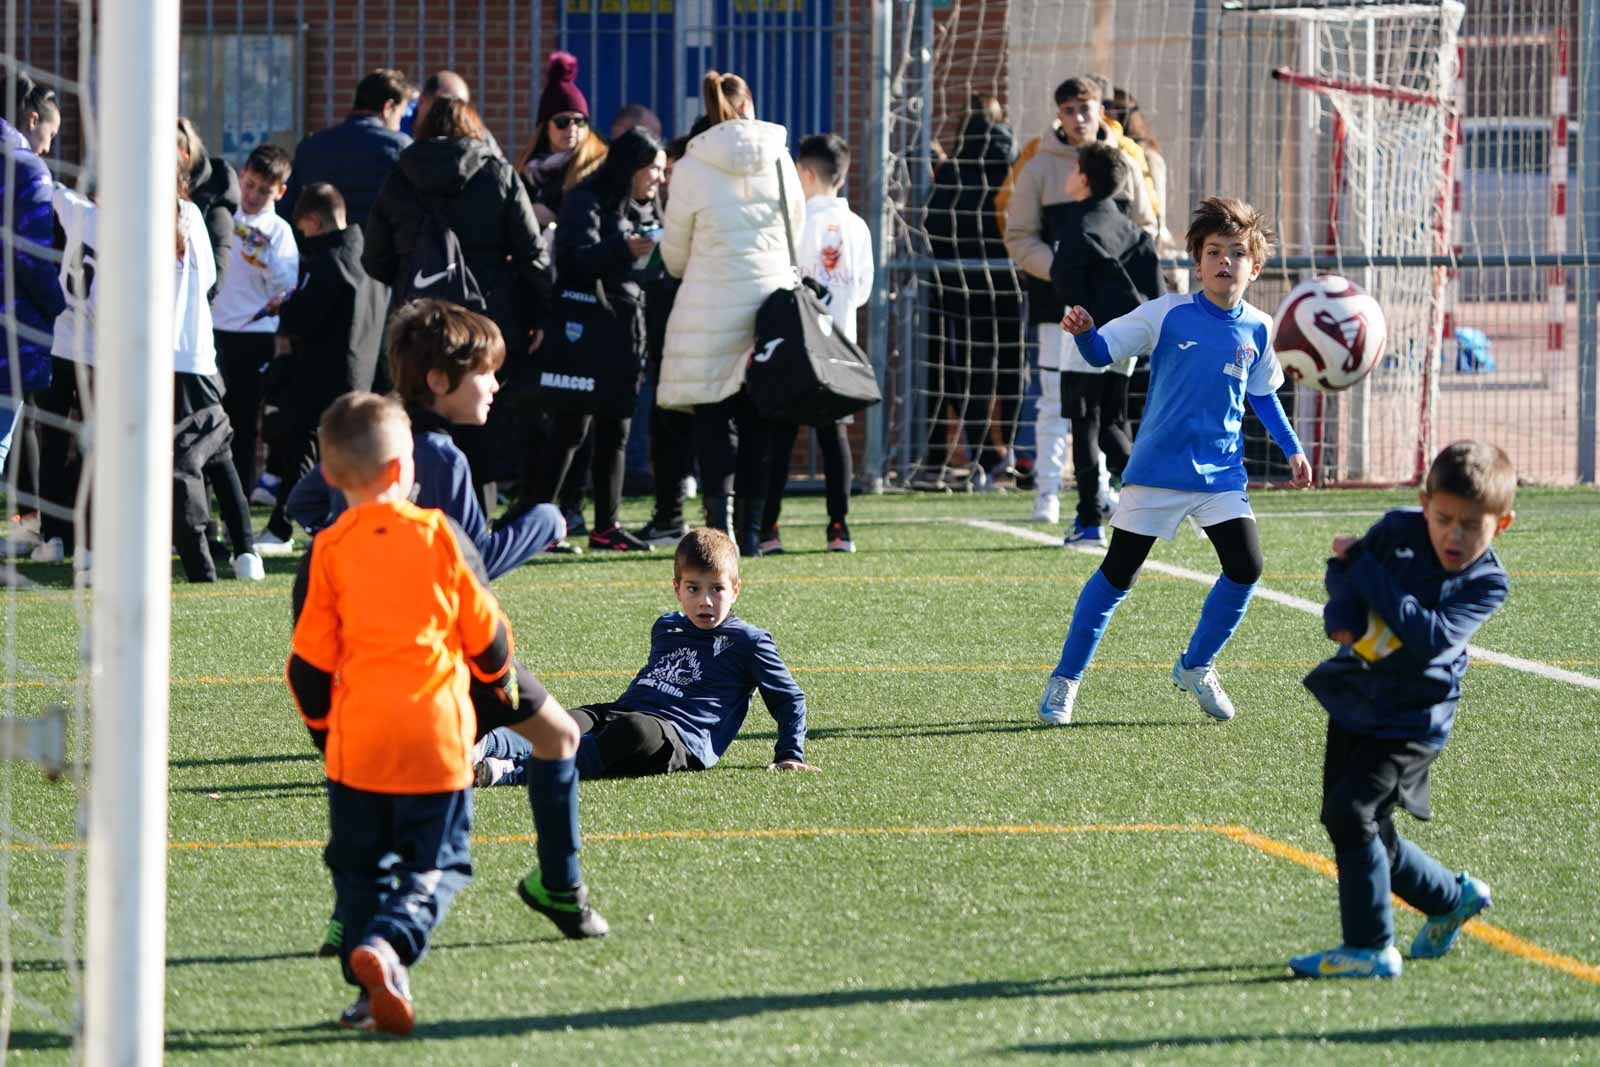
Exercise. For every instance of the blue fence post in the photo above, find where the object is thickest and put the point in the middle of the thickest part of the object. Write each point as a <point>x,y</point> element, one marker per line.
<point>1589,233</point>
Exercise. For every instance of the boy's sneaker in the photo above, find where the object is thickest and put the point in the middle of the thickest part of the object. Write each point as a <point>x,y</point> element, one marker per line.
<point>839,538</point>
<point>247,567</point>
<point>332,940</point>
<point>51,551</point>
<point>1084,535</point>
<point>1204,685</point>
<point>569,909</point>
<point>565,547</point>
<point>1106,500</point>
<point>771,544</point>
<point>23,529</point>
<point>270,544</point>
<point>266,489</point>
<point>387,986</point>
<point>1344,962</point>
<point>616,539</point>
<point>1060,693</point>
<point>1438,935</point>
<point>659,533</point>
<point>1047,508</point>
<point>358,1016</point>
<point>490,770</point>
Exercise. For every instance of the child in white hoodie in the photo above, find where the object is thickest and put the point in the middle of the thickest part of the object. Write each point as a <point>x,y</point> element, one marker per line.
<point>835,249</point>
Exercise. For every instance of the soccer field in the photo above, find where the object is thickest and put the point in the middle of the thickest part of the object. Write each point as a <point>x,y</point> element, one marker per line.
<point>959,883</point>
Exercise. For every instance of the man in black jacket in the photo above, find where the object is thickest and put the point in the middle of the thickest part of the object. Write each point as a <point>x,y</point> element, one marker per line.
<point>1108,265</point>
<point>335,323</point>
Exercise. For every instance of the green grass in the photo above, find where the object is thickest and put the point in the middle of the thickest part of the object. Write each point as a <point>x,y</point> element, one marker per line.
<point>923,657</point>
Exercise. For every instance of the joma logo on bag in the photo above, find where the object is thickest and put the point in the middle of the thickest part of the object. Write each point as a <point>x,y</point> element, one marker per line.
<point>581,297</point>
<point>571,382</point>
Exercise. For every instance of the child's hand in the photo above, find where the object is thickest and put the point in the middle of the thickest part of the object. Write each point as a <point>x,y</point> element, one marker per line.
<point>792,765</point>
<point>1342,545</point>
<point>1077,320</point>
<point>1300,467</point>
<point>640,246</point>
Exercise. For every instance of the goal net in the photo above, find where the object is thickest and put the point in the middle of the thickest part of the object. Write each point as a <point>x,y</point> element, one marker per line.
<point>1348,150</point>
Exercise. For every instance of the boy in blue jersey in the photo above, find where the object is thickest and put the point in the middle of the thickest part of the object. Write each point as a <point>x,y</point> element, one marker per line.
<point>685,706</point>
<point>1209,352</point>
<point>1403,602</point>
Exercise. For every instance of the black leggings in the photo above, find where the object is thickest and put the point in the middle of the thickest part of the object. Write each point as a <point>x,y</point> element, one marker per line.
<point>834,444</point>
<point>1096,407</point>
<point>610,443</point>
<point>731,439</point>
<point>1237,543</point>
<point>630,743</point>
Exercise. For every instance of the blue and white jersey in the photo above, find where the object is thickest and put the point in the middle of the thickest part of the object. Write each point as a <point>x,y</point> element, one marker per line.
<point>1202,362</point>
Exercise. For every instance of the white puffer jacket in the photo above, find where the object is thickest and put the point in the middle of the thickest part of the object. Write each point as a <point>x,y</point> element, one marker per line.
<point>724,237</point>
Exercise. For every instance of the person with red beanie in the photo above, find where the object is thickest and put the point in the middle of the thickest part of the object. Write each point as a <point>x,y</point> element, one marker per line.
<point>565,148</point>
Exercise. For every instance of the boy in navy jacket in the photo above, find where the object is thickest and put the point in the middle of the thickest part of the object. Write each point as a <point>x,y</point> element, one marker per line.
<point>1403,601</point>
<point>685,706</point>
<point>442,387</point>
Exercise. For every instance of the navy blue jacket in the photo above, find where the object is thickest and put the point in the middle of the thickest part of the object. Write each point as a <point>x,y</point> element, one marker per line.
<point>1402,679</point>
<point>356,156</point>
<point>444,481</point>
<point>36,279</point>
<point>701,681</point>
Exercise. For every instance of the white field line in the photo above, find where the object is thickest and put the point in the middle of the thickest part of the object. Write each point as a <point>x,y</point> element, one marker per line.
<point>1516,663</point>
<point>930,520</point>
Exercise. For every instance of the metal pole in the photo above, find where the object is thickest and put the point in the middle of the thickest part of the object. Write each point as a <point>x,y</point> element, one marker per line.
<point>132,529</point>
<point>1199,107</point>
<point>1589,229</point>
<point>878,164</point>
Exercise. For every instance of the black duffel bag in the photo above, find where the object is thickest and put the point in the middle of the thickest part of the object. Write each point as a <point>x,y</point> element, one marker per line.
<point>588,363</point>
<point>803,369</point>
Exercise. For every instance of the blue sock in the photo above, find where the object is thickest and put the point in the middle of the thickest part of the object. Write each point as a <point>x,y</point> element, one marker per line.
<point>1423,882</point>
<point>1365,915</point>
<point>1219,617</point>
<point>1090,617</point>
<point>553,794</point>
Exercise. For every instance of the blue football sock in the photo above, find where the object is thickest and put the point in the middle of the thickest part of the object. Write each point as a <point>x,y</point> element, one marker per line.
<point>1365,914</point>
<point>1423,882</point>
<point>553,794</point>
<point>1219,617</point>
<point>1090,617</point>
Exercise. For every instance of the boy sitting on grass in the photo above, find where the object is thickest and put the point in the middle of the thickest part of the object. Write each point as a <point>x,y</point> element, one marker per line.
<point>688,702</point>
<point>393,630</point>
<point>1403,601</point>
<point>443,359</point>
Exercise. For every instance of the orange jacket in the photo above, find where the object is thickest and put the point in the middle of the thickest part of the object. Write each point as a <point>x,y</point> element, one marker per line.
<point>394,627</point>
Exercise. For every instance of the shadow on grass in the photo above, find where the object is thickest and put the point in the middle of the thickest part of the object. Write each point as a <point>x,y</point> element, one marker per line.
<point>52,966</point>
<point>257,790</point>
<point>244,761</point>
<point>901,730</point>
<point>712,1010</point>
<point>1457,1032</point>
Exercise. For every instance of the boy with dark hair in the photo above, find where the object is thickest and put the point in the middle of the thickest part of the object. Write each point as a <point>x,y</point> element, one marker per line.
<point>399,648</point>
<point>687,703</point>
<point>834,248</point>
<point>1209,353</point>
<point>443,360</point>
<point>1109,266</point>
<point>1403,601</point>
<point>334,322</point>
<point>263,266</point>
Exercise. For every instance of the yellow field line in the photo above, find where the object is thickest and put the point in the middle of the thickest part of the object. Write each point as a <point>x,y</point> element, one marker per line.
<point>1494,936</point>
<point>834,668</point>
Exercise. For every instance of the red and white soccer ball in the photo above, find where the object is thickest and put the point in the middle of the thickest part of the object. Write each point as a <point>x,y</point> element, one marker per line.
<point>1328,333</point>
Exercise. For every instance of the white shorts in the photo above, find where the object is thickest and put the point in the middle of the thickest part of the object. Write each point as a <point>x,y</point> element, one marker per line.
<point>1144,509</point>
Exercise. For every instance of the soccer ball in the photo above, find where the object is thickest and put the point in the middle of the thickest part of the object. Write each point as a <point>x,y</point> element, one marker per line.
<point>1328,334</point>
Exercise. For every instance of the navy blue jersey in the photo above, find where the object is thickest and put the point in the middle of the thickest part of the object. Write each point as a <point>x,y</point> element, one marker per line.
<point>1402,678</point>
<point>701,681</point>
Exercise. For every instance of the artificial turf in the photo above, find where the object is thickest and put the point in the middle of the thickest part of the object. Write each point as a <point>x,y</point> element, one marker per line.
<point>958,884</point>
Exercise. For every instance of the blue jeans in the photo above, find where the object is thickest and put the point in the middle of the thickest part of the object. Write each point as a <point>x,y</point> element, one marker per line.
<point>397,861</point>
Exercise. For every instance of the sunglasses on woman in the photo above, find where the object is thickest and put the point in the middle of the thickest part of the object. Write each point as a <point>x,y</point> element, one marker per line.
<point>564,121</point>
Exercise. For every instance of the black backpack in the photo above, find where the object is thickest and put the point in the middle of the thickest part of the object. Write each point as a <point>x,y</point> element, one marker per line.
<point>437,268</point>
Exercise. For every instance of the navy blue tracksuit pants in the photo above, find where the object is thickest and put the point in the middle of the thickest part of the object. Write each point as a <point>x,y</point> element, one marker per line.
<point>397,861</point>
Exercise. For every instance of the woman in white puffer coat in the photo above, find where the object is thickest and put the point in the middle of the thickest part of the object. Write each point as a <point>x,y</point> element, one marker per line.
<point>724,236</point>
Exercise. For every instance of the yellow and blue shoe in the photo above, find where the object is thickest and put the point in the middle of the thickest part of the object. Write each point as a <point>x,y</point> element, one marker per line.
<point>1343,962</point>
<point>1439,933</point>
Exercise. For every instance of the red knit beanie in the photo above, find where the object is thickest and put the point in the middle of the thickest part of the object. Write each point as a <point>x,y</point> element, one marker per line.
<point>561,92</point>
